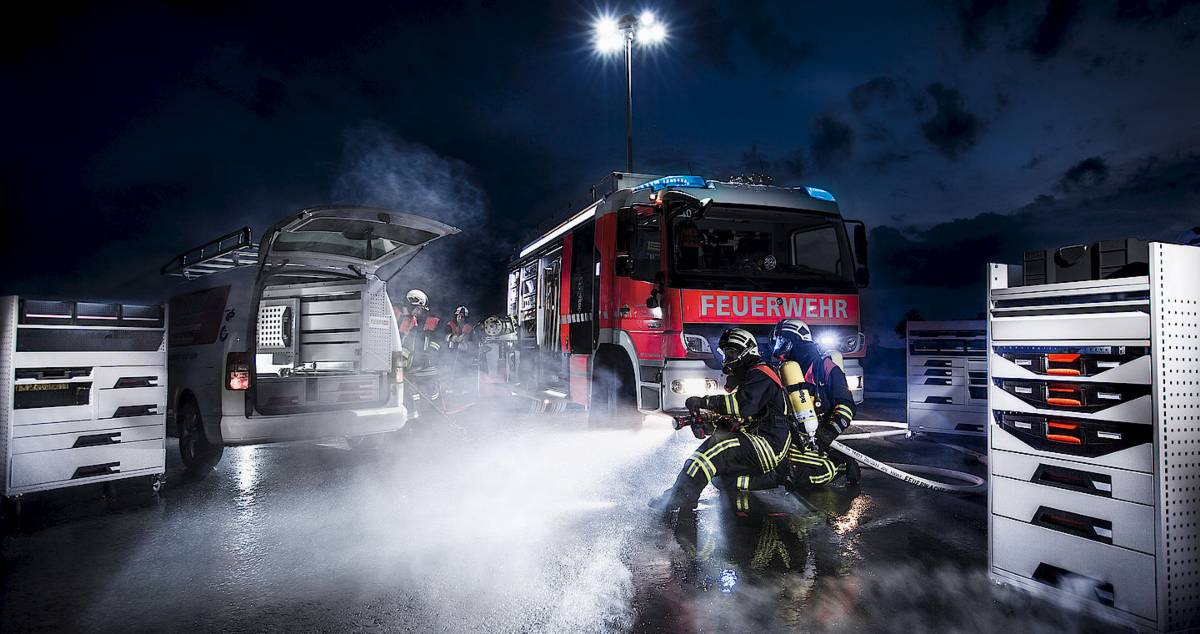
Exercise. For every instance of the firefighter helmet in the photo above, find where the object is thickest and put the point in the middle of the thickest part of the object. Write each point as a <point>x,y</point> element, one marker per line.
<point>740,349</point>
<point>787,334</point>
<point>417,297</point>
<point>463,311</point>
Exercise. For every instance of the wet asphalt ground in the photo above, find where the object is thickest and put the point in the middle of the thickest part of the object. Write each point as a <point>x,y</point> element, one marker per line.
<point>508,523</point>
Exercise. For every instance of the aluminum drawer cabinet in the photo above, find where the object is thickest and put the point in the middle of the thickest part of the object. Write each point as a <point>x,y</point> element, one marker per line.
<point>1094,439</point>
<point>83,394</point>
<point>947,376</point>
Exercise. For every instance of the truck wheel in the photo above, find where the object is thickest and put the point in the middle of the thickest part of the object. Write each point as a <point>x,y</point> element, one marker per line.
<point>198,453</point>
<point>614,400</point>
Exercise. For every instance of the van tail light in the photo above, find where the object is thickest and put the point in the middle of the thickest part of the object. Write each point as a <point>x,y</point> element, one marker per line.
<point>237,371</point>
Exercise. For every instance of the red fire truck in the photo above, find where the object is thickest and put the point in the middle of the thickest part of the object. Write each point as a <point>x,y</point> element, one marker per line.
<point>620,305</point>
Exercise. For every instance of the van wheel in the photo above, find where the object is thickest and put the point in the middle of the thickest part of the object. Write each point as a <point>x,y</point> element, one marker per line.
<point>198,453</point>
<point>614,399</point>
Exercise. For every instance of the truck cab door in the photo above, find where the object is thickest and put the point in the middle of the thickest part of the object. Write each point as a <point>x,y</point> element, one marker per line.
<point>638,269</point>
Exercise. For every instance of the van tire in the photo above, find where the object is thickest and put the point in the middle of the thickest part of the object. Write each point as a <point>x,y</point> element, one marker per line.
<point>614,396</point>
<point>198,453</point>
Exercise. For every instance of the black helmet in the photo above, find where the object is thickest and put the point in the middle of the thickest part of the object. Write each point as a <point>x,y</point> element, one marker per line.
<point>740,350</point>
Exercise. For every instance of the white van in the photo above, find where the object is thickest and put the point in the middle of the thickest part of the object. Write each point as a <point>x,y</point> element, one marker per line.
<point>292,339</point>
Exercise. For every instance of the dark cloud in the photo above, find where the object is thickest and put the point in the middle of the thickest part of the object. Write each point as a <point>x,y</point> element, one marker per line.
<point>1088,173</point>
<point>953,254</point>
<point>1052,29</point>
<point>973,16</point>
<point>754,161</point>
<point>887,159</point>
<point>795,164</point>
<point>877,90</point>
<point>724,27</point>
<point>1147,12</point>
<point>1033,161</point>
<point>953,129</point>
<point>832,141</point>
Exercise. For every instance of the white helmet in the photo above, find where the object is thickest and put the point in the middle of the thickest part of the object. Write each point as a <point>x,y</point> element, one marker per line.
<point>789,333</point>
<point>417,297</point>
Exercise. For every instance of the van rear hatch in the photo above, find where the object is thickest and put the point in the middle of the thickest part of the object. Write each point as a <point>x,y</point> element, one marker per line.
<point>325,330</point>
<point>361,238</point>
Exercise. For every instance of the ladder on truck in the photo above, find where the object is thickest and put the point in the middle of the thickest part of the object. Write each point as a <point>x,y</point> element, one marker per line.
<point>230,251</point>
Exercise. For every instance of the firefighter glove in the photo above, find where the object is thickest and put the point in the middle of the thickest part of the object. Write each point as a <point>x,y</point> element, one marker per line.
<point>694,403</point>
<point>826,433</point>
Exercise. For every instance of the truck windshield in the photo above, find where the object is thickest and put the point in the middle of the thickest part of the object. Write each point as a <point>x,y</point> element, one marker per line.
<point>763,249</point>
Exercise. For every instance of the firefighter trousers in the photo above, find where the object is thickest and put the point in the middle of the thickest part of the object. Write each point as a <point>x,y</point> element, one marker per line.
<point>735,458</point>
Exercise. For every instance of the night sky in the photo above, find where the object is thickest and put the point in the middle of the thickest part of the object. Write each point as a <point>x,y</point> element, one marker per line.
<point>960,132</point>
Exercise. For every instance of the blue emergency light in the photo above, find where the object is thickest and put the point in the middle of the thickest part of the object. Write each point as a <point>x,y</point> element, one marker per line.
<point>820,194</point>
<point>672,181</point>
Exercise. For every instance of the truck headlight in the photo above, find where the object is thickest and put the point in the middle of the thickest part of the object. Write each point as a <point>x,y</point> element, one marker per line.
<point>844,343</point>
<point>693,387</point>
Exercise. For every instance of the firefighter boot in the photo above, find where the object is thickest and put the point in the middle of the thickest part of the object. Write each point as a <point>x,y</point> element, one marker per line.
<point>682,496</point>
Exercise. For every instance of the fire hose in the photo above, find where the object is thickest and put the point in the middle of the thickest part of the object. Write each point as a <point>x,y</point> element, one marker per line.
<point>906,472</point>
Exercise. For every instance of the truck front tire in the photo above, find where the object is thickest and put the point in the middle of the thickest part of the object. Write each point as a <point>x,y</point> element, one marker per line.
<point>614,395</point>
<point>199,454</point>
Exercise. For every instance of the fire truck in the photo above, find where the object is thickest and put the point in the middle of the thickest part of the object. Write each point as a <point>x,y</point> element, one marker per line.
<point>619,307</point>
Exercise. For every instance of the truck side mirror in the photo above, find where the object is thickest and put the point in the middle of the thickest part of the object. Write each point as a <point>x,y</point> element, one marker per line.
<point>862,272</point>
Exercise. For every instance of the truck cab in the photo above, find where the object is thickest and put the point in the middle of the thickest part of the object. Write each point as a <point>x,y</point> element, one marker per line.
<point>293,338</point>
<point>621,305</point>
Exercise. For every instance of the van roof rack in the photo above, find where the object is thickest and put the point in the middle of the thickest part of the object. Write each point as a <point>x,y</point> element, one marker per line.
<point>230,251</point>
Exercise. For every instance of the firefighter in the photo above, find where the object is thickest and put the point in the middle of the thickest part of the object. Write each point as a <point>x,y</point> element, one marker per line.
<point>792,340</point>
<point>753,442</point>
<point>420,345</point>
<point>460,345</point>
<point>459,330</point>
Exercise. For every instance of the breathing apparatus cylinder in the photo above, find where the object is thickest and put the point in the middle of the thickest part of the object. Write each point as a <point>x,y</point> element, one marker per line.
<point>803,404</point>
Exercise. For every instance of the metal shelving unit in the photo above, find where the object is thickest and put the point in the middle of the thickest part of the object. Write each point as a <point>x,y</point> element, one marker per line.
<point>1094,452</point>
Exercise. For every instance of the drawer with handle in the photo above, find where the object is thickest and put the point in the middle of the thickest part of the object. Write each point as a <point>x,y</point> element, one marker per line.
<point>76,440</point>
<point>31,470</point>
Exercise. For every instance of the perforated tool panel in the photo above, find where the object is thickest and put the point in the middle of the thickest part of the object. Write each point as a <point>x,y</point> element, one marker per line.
<point>274,327</point>
<point>377,340</point>
<point>8,338</point>
<point>1175,287</point>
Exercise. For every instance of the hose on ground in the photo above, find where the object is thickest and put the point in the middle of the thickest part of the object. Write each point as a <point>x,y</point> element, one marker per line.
<point>906,472</point>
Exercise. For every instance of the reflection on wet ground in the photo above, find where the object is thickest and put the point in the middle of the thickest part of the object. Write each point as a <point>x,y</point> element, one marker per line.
<point>511,524</point>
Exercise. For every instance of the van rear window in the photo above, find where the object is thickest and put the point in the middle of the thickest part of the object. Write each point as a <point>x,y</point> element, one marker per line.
<point>350,238</point>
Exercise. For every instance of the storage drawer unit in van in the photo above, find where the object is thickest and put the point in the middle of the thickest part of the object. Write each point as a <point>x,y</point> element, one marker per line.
<point>83,393</point>
<point>947,376</point>
<point>1094,390</point>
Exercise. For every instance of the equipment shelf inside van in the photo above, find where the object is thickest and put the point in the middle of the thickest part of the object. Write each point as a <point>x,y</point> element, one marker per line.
<point>294,338</point>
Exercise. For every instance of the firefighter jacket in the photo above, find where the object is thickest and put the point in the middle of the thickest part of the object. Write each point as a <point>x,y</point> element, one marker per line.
<point>458,335</point>
<point>759,402</point>
<point>418,338</point>
<point>835,402</point>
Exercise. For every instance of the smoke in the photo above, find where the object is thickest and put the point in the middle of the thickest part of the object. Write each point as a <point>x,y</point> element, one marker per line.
<point>380,169</point>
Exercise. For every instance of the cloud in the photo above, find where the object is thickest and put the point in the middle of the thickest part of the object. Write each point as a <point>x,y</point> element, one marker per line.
<point>1147,12</point>
<point>953,129</point>
<point>1051,32</point>
<point>875,91</point>
<point>832,141</point>
<point>973,16</point>
<point>763,32</point>
<point>795,163</point>
<point>1088,173</point>
<point>939,269</point>
<point>887,159</point>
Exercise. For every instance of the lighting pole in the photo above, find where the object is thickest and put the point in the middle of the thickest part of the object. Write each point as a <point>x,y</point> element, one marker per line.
<point>619,34</point>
